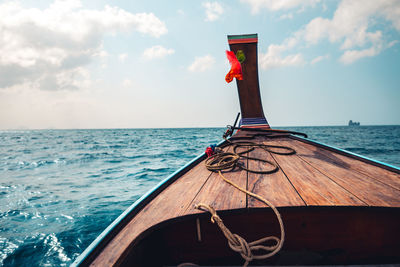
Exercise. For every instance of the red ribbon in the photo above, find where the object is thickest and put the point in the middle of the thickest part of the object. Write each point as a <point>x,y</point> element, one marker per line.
<point>236,68</point>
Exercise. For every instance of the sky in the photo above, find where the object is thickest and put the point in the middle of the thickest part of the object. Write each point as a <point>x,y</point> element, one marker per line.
<point>160,64</point>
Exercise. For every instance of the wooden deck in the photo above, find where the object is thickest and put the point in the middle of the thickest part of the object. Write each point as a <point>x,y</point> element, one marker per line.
<point>314,176</point>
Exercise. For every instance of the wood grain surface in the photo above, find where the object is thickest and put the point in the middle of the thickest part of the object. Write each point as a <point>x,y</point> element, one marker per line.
<point>382,175</point>
<point>314,187</point>
<point>370,190</point>
<point>221,195</point>
<point>313,176</point>
<point>274,187</point>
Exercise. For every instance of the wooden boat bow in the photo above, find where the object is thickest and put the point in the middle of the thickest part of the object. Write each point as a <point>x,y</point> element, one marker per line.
<point>248,88</point>
<point>337,207</point>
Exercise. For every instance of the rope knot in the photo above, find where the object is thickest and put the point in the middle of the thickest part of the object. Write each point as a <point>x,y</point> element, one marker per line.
<point>239,244</point>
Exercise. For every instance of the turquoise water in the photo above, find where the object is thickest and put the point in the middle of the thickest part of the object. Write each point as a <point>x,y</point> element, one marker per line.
<point>59,189</point>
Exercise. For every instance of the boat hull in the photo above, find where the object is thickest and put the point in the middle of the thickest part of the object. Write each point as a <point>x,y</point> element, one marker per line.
<point>314,235</point>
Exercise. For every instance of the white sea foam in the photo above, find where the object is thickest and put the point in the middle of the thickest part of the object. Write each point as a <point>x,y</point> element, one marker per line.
<point>67,216</point>
<point>55,250</point>
<point>7,248</point>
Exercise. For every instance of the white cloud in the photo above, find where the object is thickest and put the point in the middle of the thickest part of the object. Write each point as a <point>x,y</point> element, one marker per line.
<point>319,59</point>
<point>122,57</point>
<point>102,54</point>
<point>352,55</point>
<point>157,51</point>
<point>286,16</point>
<point>275,5</point>
<point>67,79</point>
<point>353,26</point>
<point>201,64</point>
<point>273,58</point>
<point>213,10</point>
<point>392,43</point>
<point>48,48</point>
<point>127,83</point>
<point>349,24</point>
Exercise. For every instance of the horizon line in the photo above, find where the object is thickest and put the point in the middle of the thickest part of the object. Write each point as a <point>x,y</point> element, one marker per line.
<point>189,127</point>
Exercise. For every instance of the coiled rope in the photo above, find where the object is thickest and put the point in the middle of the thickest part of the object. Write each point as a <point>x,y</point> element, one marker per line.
<point>225,161</point>
<point>228,161</point>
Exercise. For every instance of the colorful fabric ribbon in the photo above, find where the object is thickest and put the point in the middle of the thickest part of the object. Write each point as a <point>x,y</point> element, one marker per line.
<point>236,68</point>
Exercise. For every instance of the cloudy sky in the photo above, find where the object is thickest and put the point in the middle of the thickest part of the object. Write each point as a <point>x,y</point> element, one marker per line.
<point>140,64</point>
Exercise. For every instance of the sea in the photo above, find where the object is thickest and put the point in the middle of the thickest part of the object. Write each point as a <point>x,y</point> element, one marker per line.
<point>59,189</point>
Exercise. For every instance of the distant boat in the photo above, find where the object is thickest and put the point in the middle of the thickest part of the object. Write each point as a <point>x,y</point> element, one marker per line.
<point>337,207</point>
<point>353,123</point>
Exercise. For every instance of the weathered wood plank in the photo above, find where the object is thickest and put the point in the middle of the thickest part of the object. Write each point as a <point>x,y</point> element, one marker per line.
<point>274,187</point>
<point>314,187</point>
<point>369,190</point>
<point>221,195</point>
<point>172,202</point>
<point>383,175</point>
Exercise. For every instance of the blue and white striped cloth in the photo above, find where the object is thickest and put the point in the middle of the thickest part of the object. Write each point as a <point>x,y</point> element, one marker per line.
<point>253,121</point>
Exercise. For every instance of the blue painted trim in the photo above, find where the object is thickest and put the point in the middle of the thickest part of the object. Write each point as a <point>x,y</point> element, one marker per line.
<point>351,153</point>
<point>109,229</point>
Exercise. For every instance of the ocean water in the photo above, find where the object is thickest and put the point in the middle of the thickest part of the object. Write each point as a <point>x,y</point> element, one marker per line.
<point>59,189</point>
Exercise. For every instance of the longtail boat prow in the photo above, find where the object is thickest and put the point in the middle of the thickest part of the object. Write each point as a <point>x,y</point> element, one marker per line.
<point>260,197</point>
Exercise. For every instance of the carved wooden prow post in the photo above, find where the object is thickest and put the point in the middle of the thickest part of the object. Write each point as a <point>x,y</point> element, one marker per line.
<point>248,88</point>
